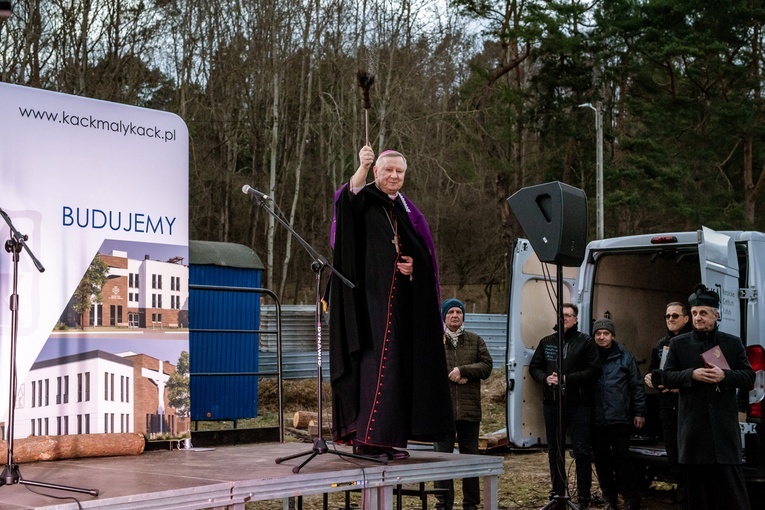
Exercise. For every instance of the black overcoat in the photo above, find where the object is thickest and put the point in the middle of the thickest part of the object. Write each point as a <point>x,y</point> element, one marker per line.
<point>708,430</point>
<point>359,354</point>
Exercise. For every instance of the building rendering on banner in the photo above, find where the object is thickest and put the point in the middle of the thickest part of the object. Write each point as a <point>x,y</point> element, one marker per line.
<point>139,294</point>
<point>97,392</point>
<point>153,414</point>
<point>85,393</point>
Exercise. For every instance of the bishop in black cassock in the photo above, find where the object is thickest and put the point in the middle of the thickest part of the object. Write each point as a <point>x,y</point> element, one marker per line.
<point>387,365</point>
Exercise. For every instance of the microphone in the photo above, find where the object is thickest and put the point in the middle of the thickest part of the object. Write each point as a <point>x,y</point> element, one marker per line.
<point>248,190</point>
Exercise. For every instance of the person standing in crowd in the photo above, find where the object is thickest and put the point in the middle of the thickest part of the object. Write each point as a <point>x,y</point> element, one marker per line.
<point>387,365</point>
<point>620,405</point>
<point>678,322</point>
<point>581,371</point>
<point>468,361</point>
<point>709,438</point>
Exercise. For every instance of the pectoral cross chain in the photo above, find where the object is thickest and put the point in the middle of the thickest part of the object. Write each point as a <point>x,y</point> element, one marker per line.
<point>394,228</point>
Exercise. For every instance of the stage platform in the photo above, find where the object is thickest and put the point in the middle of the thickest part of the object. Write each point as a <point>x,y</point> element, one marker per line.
<point>228,477</point>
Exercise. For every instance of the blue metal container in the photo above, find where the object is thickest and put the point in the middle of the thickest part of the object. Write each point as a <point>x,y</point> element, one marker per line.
<point>223,338</point>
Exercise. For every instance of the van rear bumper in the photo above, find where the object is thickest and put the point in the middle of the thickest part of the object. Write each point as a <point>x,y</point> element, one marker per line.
<point>651,464</point>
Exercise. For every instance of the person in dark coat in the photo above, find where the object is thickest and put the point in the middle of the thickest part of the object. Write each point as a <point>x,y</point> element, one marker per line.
<point>709,438</point>
<point>678,322</point>
<point>387,364</point>
<point>581,371</point>
<point>468,361</point>
<point>620,406</point>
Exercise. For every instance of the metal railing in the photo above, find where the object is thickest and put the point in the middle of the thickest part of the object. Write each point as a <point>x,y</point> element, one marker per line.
<point>278,332</point>
<point>299,339</point>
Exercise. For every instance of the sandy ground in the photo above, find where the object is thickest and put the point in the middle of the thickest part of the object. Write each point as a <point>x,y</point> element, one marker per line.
<point>526,484</point>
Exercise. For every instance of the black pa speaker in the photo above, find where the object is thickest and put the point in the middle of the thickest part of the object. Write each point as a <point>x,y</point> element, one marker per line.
<point>554,219</point>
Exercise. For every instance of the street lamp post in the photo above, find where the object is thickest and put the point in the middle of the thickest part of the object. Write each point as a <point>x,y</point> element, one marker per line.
<point>598,168</point>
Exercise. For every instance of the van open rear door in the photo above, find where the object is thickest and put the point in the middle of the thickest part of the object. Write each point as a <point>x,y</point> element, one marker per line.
<point>531,316</point>
<point>719,272</point>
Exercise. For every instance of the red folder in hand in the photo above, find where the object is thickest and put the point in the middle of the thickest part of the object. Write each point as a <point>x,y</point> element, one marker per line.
<point>715,356</point>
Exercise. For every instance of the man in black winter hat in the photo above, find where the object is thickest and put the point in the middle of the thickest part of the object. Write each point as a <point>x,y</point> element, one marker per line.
<point>709,438</point>
<point>620,405</point>
<point>581,371</point>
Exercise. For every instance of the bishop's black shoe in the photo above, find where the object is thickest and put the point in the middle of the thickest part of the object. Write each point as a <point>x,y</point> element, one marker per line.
<point>370,451</point>
<point>394,454</point>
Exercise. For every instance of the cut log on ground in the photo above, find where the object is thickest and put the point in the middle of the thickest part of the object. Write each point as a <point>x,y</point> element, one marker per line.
<point>303,418</point>
<point>313,428</point>
<point>496,439</point>
<point>32,449</point>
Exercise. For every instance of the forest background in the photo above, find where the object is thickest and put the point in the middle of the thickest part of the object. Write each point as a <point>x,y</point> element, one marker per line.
<point>483,97</point>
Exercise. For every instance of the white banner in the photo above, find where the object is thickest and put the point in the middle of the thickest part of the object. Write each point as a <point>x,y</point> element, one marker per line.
<point>81,177</point>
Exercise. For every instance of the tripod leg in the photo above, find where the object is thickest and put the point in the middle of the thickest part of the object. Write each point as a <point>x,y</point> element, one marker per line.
<point>295,456</point>
<point>11,476</point>
<point>313,453</point>
<point>296,469</point>
<point>560,503</point>
<point>92,492</point>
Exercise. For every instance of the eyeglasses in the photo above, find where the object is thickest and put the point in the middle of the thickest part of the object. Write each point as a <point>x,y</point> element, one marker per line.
<point>569,315</point>
<point>674,316</point>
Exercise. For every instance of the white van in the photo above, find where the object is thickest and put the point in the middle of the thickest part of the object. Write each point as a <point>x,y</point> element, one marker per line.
<point>630,280</point>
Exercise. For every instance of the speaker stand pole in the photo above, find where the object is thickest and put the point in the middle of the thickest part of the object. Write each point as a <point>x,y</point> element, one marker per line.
<point>561,501</point>
<point>11,474</point>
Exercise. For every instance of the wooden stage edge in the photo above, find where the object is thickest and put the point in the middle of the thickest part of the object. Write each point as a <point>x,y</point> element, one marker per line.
<point>229,477</point>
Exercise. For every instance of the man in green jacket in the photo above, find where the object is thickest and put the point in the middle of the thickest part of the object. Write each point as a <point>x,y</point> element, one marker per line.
<point>468,361</point>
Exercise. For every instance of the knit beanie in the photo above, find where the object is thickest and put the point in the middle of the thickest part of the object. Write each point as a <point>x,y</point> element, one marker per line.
<point>606,324</point>
<point>449,304</point>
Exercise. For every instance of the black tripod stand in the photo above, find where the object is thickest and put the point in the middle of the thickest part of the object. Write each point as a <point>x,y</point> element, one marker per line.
<point>561,501</point>
<point>319,444</point>
<point>319,263</point>
<point>11,474</point>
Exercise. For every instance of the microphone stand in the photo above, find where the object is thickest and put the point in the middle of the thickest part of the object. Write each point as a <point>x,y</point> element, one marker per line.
<point>561,501</point>
<point>11,474</point>
<point>319,263</point>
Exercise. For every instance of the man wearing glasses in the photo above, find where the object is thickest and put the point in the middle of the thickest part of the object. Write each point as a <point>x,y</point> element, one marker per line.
<point>677,323</point>
<point>581,371</point>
